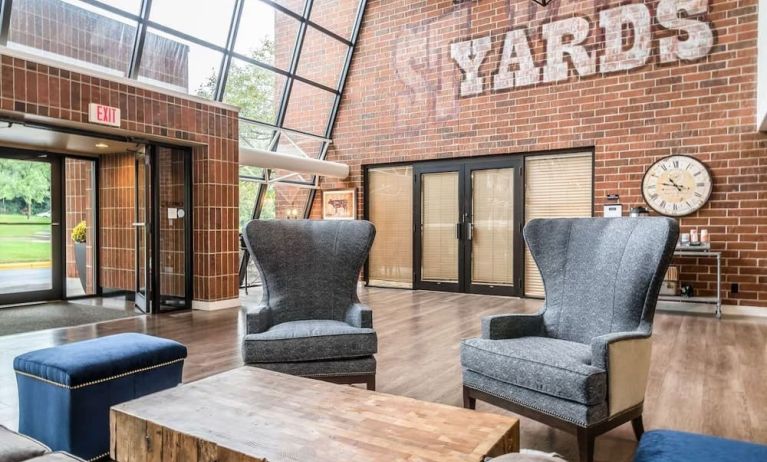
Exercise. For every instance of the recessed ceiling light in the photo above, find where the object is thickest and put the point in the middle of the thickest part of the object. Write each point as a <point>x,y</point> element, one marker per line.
<point>102,145</point>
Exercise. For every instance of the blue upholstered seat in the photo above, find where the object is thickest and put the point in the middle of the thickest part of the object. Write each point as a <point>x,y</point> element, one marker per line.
<point>65,392</point>
<point>673,446</point>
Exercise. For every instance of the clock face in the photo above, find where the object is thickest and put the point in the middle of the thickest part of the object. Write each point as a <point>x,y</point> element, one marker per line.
<point>677,185</point>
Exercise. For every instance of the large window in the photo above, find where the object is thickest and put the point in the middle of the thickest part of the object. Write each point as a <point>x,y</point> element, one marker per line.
<point>282,62</point>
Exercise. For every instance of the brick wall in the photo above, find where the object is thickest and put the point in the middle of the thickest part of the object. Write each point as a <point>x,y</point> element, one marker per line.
<point>117,190</point>
<point>47,91</point>
<point>78,176</point>
<point>403,103</point>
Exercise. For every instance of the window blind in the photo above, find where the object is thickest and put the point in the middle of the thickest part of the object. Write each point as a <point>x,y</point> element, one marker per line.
<point>556,186</point>
<point>391,211</point>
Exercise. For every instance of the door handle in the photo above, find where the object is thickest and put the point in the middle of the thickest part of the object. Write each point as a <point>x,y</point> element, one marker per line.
<point>458,233</point>
<point>469,230</point>
<point>138,224</point>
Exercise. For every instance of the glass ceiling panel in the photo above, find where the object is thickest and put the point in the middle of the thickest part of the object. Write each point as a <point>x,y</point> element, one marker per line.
<point>74,33</point>
<point>296,6</point>
<point>255,90</point>
<point>337,16</point>
<point>266,34</point>
<point>309,108</point>
<point>179,65</point>
<point>322,58</point>
<point>255,136</point>
<point>204,19</point>
<point>292,144</point>
<point>130,6</point>
<point>283,201</point>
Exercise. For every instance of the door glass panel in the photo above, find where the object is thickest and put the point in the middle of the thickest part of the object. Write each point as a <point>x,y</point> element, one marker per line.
<point>141,230</point>
<point>439,216</point>
<point>26,256</point>
<point>80,202</point>
<point>172,227</point>
<point>492,236</point>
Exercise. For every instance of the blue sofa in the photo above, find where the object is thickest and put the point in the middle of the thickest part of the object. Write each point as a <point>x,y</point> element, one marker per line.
<point>673,446</point>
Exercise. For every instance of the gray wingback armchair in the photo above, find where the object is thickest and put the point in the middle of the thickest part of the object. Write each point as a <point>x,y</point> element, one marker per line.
<point>310,321</point>
<point>581,363</point>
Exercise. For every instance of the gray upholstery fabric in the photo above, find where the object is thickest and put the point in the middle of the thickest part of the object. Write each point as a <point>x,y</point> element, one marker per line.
<point>601,277</point>
<point>569,411</point>
<point>310,317</point>
<point>15,447</point>
<point>340,367</point>
<point>555,367</point>
<point>315,340</point>
<point>309,268</point>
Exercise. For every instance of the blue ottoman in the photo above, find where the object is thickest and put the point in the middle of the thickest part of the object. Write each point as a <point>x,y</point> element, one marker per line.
<point>65,392</point>
<point>672,446</point>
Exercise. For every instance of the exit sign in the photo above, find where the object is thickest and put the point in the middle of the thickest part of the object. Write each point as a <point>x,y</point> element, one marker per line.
<point>105,115</point>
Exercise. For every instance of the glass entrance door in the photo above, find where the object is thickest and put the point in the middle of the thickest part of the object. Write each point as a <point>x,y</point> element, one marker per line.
<point>163,229</point>
<point>30,228</point>
<point>468,217</point>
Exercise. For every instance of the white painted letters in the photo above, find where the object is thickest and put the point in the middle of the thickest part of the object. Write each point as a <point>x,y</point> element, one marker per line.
<point>516,50</point>
<point>469,55</point>
<point>616,58</point>
<point>700,37</point>
<point>556,66</point>
<point>517,67</point>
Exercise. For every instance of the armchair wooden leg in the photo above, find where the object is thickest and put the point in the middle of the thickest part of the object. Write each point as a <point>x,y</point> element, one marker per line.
<point>638,426</point>
<point>585,445</point>
<point>371,383</point>
<point>468,401</point>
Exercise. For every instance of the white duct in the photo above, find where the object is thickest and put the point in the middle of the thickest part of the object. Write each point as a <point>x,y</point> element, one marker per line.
<point>273,160</point>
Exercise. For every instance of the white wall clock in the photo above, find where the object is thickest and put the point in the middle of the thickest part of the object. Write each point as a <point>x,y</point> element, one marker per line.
<point>677,185</point>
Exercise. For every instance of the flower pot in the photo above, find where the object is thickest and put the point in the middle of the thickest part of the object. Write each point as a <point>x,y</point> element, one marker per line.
<point>80,252</point>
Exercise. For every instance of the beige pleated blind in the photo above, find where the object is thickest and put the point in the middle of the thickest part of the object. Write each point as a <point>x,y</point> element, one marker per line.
<point>557,186</point>
<point>439,215</point>
<point>390,205</point>
<point>493,220</point>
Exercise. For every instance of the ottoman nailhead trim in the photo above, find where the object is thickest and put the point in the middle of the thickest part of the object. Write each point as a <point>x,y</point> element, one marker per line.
<point>99,457</point>
<point>95,382</point>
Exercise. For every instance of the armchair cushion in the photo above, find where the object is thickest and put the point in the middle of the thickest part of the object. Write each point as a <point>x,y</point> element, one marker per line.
<point>554,367</point>
<point>310,340</point>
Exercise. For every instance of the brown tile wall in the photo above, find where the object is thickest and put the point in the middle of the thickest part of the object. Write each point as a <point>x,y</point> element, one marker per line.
<point>78,207</point>
<point>117,189</point>
<point>402,104</point>
<point>33,88</point>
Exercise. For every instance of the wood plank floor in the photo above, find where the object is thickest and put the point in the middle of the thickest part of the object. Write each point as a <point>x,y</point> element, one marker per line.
<point>707,376</point>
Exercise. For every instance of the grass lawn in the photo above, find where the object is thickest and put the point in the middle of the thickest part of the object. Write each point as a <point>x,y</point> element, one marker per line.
<point>28,241</point>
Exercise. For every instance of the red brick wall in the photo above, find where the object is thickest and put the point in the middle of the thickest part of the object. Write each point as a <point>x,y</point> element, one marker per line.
<point>33,88</point>
<point>117,189</point>
<point>402,103</point>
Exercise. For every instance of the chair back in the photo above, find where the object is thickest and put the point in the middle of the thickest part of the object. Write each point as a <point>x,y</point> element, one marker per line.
<point>600,275</point>
<point>309,268</point>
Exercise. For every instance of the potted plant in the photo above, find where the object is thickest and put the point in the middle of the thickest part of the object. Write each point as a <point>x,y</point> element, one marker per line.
<point>79,233</point>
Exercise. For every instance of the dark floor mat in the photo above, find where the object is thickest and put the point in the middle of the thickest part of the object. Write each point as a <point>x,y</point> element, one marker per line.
<point>30,318</point>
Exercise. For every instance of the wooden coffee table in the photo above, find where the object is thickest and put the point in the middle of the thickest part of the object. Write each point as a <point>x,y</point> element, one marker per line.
<point>250,414</point>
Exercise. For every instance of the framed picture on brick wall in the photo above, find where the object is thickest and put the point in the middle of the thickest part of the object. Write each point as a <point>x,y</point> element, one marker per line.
<point>339,204</point>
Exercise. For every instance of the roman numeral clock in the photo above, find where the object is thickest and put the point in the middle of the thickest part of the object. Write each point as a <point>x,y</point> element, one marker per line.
<point>677,186</point>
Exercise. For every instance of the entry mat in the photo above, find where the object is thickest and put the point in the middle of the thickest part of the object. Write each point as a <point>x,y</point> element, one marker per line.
<point>20,319</point>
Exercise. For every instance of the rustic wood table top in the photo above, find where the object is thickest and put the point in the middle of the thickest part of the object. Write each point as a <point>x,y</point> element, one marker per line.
<point>250,414</point>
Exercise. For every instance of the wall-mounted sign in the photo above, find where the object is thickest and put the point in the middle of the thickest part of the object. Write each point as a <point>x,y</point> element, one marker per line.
<point>104,115</point>
<point>693,39</point>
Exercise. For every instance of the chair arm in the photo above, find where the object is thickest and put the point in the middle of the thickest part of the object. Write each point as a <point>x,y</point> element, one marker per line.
<point>258,318</point>
<point>507,326</point>
<point>626,358</point>
<point>359,315</point>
